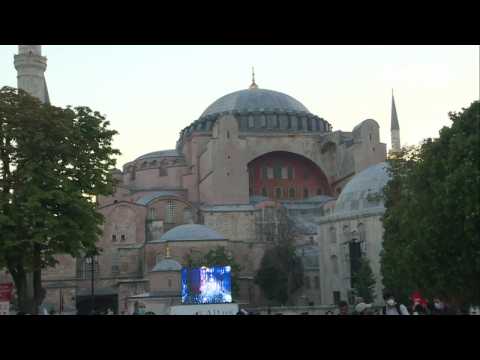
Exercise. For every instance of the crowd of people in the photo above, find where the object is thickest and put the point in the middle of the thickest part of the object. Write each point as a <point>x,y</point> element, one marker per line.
<point>418,306</point>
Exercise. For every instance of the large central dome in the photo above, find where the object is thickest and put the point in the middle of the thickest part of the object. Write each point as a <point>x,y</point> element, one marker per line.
<point>255,99</point>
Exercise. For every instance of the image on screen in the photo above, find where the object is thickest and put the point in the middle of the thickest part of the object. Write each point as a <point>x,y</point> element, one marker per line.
<point>207,285</point>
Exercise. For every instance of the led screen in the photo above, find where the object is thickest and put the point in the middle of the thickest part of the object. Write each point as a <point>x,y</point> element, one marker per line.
<point>207,285</point>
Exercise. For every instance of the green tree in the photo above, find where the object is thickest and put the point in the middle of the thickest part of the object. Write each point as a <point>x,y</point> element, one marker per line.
<point>280,273</point>
<point>53,163</point>
<point>363,282</point>
<point>432,218</point>
<point>219,256</point>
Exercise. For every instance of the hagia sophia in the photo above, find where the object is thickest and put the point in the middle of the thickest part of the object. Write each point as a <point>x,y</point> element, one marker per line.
<point>251,153</point>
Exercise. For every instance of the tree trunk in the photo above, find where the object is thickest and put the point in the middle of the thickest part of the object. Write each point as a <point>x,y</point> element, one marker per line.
<point>26,303</point>
<point>38,293</point>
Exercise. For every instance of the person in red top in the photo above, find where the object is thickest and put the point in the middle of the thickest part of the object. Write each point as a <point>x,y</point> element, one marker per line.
<point>420,305</point>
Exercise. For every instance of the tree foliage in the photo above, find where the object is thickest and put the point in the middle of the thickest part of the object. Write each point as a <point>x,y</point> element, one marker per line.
<point>53,162</point>
<point>280,273</point>
<point>432,218</point>
<point>219,256</point>
<point>363,281</point>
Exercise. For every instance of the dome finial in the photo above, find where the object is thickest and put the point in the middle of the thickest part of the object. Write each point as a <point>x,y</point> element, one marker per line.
<point>253,86</point>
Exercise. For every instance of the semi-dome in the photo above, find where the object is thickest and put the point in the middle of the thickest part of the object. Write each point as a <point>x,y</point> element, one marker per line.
<point>255,99</point>
<point>159,154</point>
<point>191,232</point>
<point>167,265</point>
<point>364,191</point>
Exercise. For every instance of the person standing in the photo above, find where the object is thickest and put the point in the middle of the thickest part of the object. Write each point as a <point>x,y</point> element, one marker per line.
<point>343,308</point>
<point>439,307</point>
<point>363,309</point>
<point>420,306</point>
<point>392,307</point>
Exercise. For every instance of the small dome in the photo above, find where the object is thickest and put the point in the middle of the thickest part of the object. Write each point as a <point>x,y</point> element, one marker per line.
<point>255,100</point>
<point>159,154</point>
<point>191,232</point>
<point>364,191</point>
<point>167,265</point>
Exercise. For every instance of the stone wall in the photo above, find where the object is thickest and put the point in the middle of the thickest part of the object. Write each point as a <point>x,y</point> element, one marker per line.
<point>165,281</point>
<point>235,226</point>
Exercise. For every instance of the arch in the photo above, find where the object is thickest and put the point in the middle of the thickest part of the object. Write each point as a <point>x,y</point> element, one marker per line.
<point>281,169</point>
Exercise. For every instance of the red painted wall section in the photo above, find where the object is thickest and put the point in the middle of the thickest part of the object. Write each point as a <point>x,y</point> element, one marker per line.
<point>286,176</point>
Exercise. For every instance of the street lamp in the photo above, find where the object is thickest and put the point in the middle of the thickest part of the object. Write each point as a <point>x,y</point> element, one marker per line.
<point>91,262</point>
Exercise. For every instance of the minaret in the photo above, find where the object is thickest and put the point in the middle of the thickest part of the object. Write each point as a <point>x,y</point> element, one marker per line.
<point>31,66</point>
<point>395,128</point>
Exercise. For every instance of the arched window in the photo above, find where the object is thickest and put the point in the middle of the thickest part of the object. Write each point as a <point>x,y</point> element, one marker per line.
<point>133,170</point>
<point>228,134</point>
<point>264,192</point>
<point>278,193</point>
<point>144,164</point>
<point>169,283</point>
<point>152,213</point>
<point>170,213</point>
<point>277,171</point>
<point>114,237</point>
<point>291,193</point>
<point>317,282</point>
<point>264,173</point>
<point>305,193</point>
<point>290,173</point>
<point>334,260</point>
<point>319,191</point>
<point>153,163</point>
<point>269,172</point>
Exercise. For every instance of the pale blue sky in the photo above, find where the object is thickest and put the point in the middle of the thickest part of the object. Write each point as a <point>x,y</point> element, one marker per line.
<point>150,93</point>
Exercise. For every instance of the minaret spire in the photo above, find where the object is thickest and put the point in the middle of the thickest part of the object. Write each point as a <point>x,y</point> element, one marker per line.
<point>253,85</point>
<point>395,128</point>
<point>31,66</point>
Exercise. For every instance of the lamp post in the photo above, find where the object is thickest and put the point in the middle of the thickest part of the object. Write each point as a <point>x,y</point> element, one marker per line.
<point>91,261</point>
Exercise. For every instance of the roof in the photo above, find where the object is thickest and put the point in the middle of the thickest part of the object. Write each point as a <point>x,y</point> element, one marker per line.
<point>145,199</point>
<point>255,100</point>
<point>156,294</point>
<point>190,232</point>
<point>364,191</point>
<point>229,208</point>
<point>162,153</point>
<point>167,265</point>
<point>394,122</point>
